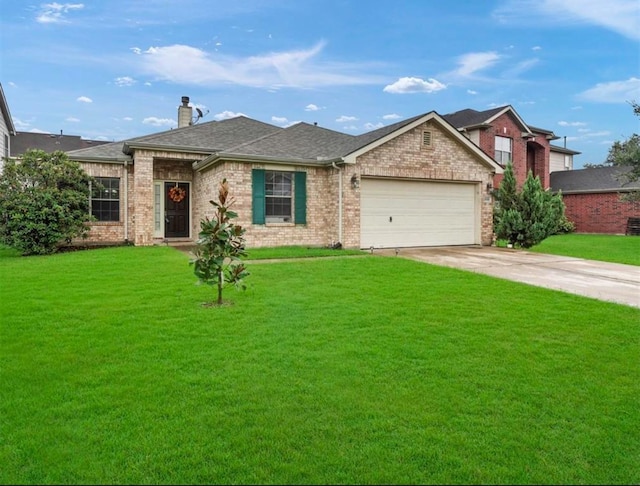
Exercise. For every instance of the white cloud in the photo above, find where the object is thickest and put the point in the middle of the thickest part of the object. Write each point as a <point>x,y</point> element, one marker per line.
<point>391,116</point>
<point>292,69</point>
<point>472,92</point>
<point>19,124</point>
<point>621,16</point>
<point>536,48</point>
<point>225,115</point>
<point>84,99</point>
<point>159,122</point>
<point>373,126</point>
<point>283,121</point>
<point>476,61</point>
<point>37,130</point>
<point>311,107</point>
<point>344,119</point>
<point>125,81</point>
<point>136,50</point>
<point>127,118</point>
<point>571,124</point>
<point>52,13</point>
<point>72,119</point>
<point>414,85</point>
<point>613,92</point>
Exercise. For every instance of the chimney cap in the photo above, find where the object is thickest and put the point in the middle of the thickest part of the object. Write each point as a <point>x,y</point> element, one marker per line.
<point>185,100</point>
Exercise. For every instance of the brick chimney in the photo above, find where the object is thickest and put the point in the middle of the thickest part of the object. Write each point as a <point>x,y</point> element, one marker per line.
<point>185,112</point>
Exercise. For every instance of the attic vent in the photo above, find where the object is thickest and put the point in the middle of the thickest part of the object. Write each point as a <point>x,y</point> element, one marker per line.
<point>426,139</point>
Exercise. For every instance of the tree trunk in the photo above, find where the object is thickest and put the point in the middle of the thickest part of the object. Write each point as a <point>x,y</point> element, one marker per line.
<point>220,283</point>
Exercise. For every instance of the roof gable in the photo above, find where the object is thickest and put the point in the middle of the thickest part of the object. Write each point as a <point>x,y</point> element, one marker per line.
<point>472,119</point>
<point>403,127</point>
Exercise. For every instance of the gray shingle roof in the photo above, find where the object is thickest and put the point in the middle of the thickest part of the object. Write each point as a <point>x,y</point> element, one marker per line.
<point>49,142</point>
<point>469,117</point>
<point>110,151</point>
<point>206,137</point>
<point>299,141</point>
<point>211,136</point>
<point>598,179</point>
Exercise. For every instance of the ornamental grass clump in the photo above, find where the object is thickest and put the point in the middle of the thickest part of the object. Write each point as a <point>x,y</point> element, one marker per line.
<point>219,247</point>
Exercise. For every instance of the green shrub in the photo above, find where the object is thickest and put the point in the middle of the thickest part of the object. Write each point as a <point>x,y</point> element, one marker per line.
<point>44,201</point>
<point>525,218</point>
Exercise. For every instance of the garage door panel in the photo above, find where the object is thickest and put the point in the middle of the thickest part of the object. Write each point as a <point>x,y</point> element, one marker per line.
<point>403,213</point>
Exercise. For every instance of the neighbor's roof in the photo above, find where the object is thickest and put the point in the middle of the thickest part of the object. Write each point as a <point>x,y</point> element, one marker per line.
<point>563,150</point>
<point>49,142</point>
<point>598,179</point>
<point>470,119</point>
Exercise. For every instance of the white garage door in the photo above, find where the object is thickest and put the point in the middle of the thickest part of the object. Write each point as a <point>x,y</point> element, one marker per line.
<point>397,213</point>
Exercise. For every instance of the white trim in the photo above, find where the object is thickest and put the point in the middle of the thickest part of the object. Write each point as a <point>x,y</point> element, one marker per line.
<point>160,183</point>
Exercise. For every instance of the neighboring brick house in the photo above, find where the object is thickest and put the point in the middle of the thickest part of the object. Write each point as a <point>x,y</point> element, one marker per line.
<point>49,142</point>
<point>592,199</point>
<point>418,182</point>
<point>503,135</point>
<point>7,129</point>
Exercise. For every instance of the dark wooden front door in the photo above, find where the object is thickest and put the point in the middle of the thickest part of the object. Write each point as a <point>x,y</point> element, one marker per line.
<point>176,210</point>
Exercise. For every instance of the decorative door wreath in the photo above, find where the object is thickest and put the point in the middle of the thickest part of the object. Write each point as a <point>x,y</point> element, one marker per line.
<point>177,194</point>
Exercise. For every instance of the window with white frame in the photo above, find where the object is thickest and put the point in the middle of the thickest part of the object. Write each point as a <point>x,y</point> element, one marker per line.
<point>105,199</point>
<point>503,150</point>
<point>278,196</point>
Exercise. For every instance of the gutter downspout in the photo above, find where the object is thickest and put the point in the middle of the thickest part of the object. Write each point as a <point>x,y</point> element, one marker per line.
<point>126,203</point>
<point>333,164</point>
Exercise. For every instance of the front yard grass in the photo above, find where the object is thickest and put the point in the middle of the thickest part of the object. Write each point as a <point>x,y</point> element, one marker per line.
<point>366,370</point>
<point>606,248</point>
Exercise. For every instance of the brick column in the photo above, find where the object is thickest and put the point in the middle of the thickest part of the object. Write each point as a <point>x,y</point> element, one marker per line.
<point>143,195</point>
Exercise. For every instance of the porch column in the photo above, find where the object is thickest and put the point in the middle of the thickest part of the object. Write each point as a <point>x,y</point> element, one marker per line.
<point>143,199</point>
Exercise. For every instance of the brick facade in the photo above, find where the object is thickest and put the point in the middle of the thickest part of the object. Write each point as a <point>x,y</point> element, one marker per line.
<point>602,212</point>
<point>327,188</point>
<point>527,154</point>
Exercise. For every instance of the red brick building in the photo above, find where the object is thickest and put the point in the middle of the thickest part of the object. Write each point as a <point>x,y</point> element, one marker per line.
<point>592,198</point>
<point>502,134</point>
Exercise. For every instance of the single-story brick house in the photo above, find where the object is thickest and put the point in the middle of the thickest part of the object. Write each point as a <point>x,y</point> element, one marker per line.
<point>418,182</point>
<point>592,199</point>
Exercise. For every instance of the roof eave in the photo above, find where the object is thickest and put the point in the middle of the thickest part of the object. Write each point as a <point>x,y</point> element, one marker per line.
<point>128,148</point>
<point>218,157</point>
<point>102,160</point>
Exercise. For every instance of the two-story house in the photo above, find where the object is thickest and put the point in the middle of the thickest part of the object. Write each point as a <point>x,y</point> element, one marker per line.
<point>502,134</point>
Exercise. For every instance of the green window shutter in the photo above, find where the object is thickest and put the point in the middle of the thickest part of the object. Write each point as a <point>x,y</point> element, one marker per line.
<point>300,216</point>
<point>258,195</point>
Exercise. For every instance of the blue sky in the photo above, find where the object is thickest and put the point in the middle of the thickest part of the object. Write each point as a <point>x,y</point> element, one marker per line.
<point>111,70</point>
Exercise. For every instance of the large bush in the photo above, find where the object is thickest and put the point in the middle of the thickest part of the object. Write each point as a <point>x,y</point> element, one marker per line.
<point>44,201</point>
<point>525,218</point>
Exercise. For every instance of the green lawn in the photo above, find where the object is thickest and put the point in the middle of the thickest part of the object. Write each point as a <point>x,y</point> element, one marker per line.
<point>607,248</point>
<point>366,370</point>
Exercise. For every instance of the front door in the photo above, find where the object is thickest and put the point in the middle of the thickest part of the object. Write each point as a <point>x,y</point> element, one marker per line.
<point>176,210</point>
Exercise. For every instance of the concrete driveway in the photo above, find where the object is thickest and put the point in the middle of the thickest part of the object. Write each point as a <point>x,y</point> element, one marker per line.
<point>611,282</point>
